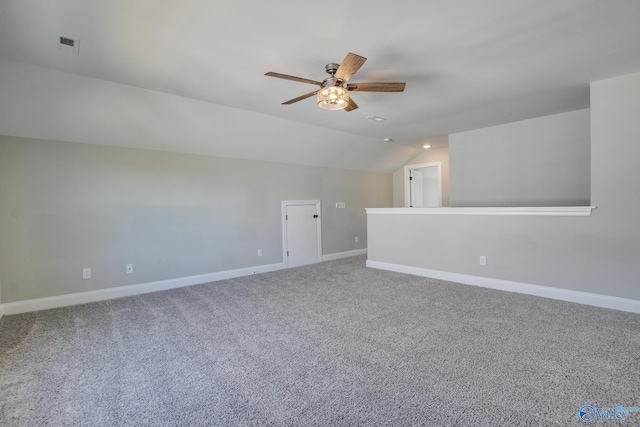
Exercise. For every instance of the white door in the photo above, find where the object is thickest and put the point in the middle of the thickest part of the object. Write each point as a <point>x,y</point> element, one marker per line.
<point>430,187</point>
<point>423,185</point>
<point>302,233</point>
<point>416,188</point>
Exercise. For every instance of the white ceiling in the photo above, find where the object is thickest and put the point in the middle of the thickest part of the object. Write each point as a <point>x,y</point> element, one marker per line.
<point>468,64</point>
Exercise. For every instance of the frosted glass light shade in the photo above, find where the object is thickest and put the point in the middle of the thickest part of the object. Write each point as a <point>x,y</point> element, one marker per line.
<point>333,98</point>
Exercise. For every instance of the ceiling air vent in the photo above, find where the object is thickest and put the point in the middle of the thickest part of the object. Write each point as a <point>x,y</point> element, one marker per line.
<point>67,41</point>
<point>68,45</point>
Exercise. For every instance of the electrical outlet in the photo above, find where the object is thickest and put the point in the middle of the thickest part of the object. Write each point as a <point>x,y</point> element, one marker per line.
<point>129,268</point>
<point>259,252</point>
<point>86,273</point>
<point>483,260</point>
<point>356,239</point>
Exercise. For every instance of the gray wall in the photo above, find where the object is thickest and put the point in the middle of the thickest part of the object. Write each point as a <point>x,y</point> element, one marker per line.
<point>537,162</point>
<point>597,254</point>
<point>398,188</point>
<point>42,103</point>
<point>612,242</point>
<point>65,206</point>
<point>436,154</point>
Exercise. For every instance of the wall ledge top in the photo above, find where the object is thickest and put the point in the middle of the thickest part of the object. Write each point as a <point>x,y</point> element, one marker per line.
<point>544,211</point>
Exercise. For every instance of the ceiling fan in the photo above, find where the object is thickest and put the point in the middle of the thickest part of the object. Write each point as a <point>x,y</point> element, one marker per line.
<point>334,90</point>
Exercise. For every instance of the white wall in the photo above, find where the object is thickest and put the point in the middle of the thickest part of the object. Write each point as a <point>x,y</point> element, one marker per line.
<point>596,254</point>
<point>65,206</point>
<point>538,162</point>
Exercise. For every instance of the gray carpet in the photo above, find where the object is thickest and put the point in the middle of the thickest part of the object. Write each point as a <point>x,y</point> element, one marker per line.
<point>328,344</point>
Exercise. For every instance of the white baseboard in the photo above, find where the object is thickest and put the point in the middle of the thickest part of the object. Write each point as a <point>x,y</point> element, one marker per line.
<point>346,254</point>
<point>143,288</point>
<point>598,300</point>
<point>130,290</point>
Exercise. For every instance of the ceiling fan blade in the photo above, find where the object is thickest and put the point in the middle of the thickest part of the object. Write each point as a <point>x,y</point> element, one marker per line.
<point>352,105</point>
<point>294,78</point>
<point>349,66</point>
<point>300,98</point>
<point>375,87</point>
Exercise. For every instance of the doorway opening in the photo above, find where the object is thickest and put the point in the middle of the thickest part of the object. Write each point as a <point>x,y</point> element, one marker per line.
<point>423,185</point>
<point>301,232</point>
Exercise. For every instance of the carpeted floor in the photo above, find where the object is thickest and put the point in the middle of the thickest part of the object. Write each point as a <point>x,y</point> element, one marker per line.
<point>329,344</point>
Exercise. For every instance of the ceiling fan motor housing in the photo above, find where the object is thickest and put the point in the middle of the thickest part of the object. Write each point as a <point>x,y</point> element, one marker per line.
<point>331,81</point>
<point>331,68</point>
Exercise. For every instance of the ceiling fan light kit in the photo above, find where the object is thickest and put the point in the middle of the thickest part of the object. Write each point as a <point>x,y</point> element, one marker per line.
<point>333,98</point>
<point>333,94</point>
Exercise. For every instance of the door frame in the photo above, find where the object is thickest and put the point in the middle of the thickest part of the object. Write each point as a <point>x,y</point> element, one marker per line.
<point>407,185</point>
<point>285,203</point>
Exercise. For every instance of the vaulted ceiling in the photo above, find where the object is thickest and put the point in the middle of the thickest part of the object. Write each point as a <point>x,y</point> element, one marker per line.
<point>467,64</point>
